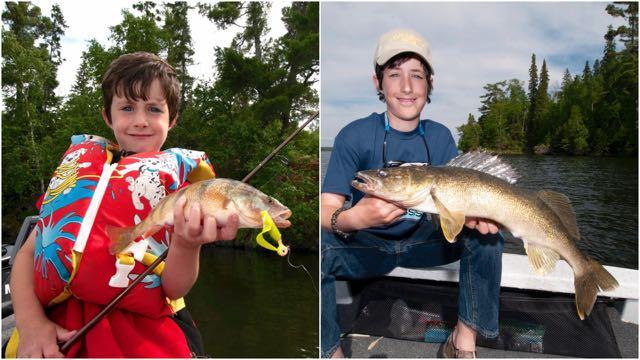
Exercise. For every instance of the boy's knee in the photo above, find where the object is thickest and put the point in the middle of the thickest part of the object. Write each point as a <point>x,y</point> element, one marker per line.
<point>490,244</point>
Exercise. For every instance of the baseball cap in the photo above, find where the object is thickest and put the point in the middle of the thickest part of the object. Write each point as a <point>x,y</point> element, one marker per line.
<point>398,41</point>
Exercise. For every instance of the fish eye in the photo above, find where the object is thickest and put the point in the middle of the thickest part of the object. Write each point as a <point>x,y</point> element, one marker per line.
<point>382,173</point>
<point>270,201</point>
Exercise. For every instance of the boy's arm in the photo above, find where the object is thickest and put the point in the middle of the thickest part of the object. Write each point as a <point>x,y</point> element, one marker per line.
<point>182,264</point>
<point>38,334</point>
<point>371,211</point>
<point>368,212</point>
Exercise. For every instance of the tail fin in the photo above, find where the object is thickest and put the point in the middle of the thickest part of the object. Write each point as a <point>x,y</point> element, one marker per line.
<point>587,285</point>
<point>120,238</point>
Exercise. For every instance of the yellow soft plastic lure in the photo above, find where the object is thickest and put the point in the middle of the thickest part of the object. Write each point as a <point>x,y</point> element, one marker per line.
<point>268,226</point>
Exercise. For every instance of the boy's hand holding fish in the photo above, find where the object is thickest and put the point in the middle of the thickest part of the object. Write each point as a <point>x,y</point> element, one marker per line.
<point>369,212</point>
<point>191,229</point>
<point>484,226</point>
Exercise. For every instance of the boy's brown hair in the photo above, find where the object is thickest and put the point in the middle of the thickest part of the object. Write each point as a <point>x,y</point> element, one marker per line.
<point>131,75</point>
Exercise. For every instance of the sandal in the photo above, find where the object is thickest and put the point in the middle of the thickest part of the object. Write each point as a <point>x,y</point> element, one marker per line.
<point>448,350</point>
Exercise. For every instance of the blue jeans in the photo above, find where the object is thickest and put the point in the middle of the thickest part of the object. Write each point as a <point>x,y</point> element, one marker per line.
<point>366,255</point>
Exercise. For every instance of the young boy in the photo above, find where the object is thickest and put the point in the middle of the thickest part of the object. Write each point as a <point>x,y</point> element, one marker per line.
<point>64,274</point>
<point>373,236</point>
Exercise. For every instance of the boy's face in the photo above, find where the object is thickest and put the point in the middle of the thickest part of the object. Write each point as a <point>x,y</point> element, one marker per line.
<point>405,90</point>
<point>140,126</point>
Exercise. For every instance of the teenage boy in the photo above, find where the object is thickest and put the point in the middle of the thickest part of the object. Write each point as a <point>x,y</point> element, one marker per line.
<point>372,236</point>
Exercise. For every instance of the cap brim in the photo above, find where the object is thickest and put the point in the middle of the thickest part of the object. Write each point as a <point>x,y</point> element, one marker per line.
<point>383,59</point>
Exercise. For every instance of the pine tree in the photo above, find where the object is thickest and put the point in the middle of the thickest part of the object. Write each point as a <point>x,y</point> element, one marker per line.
<point>469,135</point>
<point>575,134</point>
<point>586,72</point>
<point>139,32</point>
<point>225,14</point>
<point>533,91</point>
<point>539,127</point>
<point>177,41</point>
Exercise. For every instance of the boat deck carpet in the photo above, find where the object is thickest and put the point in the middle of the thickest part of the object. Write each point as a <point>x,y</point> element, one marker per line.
<point>426,311</point>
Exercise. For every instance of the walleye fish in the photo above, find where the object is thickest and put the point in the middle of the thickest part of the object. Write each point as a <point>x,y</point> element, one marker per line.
<point>217,197</point>
<point>478,184</point>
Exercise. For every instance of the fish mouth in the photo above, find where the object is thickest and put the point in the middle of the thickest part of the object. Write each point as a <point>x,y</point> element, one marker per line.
<point>280,219</point>
<point>365,183</point>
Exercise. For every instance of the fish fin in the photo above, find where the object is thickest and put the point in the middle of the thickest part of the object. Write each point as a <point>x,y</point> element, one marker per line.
<point>561,205</point>
<point>120,237</point>
<point>485,162</point>
<point>587,284</point>
<point>542,259</point>
<point>450,221</point>
<point>152,230</point>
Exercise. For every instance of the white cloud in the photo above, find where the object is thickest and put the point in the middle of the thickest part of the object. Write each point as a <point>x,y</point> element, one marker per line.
<point>473,44</point>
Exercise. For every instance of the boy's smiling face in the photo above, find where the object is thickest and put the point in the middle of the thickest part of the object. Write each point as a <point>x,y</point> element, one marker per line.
<point>140,125</point>
<point>405,90</point>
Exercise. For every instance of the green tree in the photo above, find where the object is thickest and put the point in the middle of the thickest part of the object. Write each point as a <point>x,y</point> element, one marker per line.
<point>469,135</point>
<point>177,41</point>
<point>622,76</point>
<point>30,48</point>
<point>574,134</point>
<point>53,29</point>
<point>628,33</point>
<point>493,119</point>
<point>516,112</point>
<point>225,14</point>
<point>533,91</point>
<point>540,128</point>
<point>138,32</point>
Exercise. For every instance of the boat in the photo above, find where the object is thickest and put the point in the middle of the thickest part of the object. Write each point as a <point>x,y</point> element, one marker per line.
<point>365,338</point>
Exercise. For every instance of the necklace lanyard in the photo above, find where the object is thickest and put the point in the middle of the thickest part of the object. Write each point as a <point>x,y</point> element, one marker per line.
<point>387,129</point>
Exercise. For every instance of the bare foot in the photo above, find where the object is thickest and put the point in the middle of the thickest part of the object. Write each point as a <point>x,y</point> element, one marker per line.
<point>338,354</point>
<point>464,337</point>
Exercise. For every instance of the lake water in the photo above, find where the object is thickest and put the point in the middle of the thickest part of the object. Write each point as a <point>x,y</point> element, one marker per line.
<point>251,303</point>
<point>604,195</point>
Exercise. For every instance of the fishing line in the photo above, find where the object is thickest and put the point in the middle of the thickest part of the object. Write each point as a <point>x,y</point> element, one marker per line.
<point>305,270</point>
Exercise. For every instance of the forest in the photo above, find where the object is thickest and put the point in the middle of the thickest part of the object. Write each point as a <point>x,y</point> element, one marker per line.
<point>260,91</point>
<point>593,113</point>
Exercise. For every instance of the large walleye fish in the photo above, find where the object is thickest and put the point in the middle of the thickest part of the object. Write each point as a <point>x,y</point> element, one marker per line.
<point>217,197</point>
<point>480,185</point>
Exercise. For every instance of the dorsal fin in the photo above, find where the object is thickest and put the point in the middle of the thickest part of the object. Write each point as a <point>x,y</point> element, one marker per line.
<point>487,163</point>
<point>561,205</point>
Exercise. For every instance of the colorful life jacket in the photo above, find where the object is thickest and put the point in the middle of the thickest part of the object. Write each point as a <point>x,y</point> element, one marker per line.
<point>88,193</point>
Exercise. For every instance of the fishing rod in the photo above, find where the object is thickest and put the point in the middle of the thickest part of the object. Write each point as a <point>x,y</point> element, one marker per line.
<point>88,326</point>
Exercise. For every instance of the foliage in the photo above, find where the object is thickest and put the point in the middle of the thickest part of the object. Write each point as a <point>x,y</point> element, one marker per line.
<point>30,55</point>
<point>469,135</point>
<point>594,113</point>
<point>261,92</point>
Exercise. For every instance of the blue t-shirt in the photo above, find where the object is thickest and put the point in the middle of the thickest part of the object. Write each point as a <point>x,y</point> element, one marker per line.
<point>358,146</point>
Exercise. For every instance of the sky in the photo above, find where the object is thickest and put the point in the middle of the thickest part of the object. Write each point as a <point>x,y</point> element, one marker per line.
<point>472,44</point>
<point>88,20</point>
